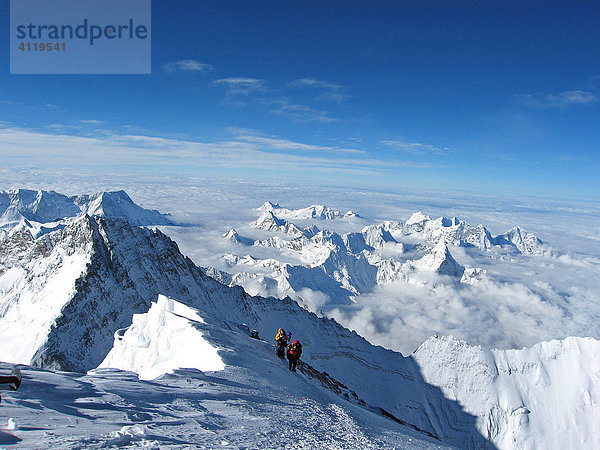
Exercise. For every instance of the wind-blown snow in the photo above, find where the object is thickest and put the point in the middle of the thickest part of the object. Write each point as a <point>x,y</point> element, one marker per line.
<point>162,340</point>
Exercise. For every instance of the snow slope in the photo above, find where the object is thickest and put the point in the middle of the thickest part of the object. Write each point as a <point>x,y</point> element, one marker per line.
<point>545,396</point>
<point>254,402</point>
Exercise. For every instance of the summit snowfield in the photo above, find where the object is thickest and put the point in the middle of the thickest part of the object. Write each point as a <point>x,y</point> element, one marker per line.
<point>121,296</point>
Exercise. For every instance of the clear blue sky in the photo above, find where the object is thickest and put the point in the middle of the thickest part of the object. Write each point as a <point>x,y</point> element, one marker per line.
<point>497,96</point>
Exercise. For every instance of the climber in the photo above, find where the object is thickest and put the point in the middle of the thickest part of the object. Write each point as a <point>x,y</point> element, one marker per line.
<point>13,380</point>
<point>294,352</point>
<point>281,340</point>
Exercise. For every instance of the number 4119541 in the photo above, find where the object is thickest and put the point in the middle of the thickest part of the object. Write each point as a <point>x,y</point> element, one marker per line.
<point>42,47</point>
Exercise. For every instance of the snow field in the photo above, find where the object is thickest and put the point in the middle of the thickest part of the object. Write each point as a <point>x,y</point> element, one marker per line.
<point>161,340</point>
<point>253,402</point>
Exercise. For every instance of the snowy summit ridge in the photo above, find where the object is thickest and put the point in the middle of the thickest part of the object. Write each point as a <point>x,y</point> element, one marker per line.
<point>49,206</point>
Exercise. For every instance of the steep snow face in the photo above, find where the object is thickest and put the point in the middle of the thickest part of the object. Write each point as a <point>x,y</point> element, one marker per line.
<point>377,235</point>
<point>88,278</point>
<point>546,396</point>
<point>162,340</point>
<point>38,277</point>
<point>440,261</point>
<point>119,204</point>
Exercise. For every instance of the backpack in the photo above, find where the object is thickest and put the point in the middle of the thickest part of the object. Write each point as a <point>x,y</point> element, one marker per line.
<point>280,334</point>
<point>295,348</point>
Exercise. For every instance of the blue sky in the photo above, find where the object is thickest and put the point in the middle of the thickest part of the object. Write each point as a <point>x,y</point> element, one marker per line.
<point>499,97</point>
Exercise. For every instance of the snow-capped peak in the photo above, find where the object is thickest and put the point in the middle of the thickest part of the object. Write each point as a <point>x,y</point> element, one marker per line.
<point>49,206</point>
<point>377,235</point>
<point>119,204</point>
<point>39,206</point>
<point>417,217</point>
<point>269,206</point>
<point>310,212</point>
<point>526,243</point>
<point>270,222</point>
<point>440,260</point>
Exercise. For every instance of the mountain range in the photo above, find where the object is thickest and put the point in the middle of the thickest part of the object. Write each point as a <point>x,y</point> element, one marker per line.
<point>100,292</point>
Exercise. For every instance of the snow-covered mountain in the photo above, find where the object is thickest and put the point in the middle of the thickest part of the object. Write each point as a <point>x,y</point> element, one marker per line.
<point>396,282</point>
<point>119,204</point>
<point>37,206</point>
<point>311,212</point>
<point>48,206</point>
<point>269,222</point>
<point>94,274</point>
<point>100,291</point>
<point>461,234</point>
<point>341,266</point>
<point>539,397</point>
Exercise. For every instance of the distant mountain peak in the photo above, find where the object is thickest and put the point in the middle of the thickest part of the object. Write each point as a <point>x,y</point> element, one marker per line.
<point>440,260</point>
<point>49,206</point>
<point>321,212</point>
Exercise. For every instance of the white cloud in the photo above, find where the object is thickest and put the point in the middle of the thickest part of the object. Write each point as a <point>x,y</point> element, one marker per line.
<point>240,86</point>
<point>415,147</point>
<point>91,122</point>
<point>333,92</point>
<point>312,83</point>
<point>104,148</point>
<point>284,144</point>
<point>561,100</point>
<point>187,65</point>
<point>303,113</point>
<point>401,315</point>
